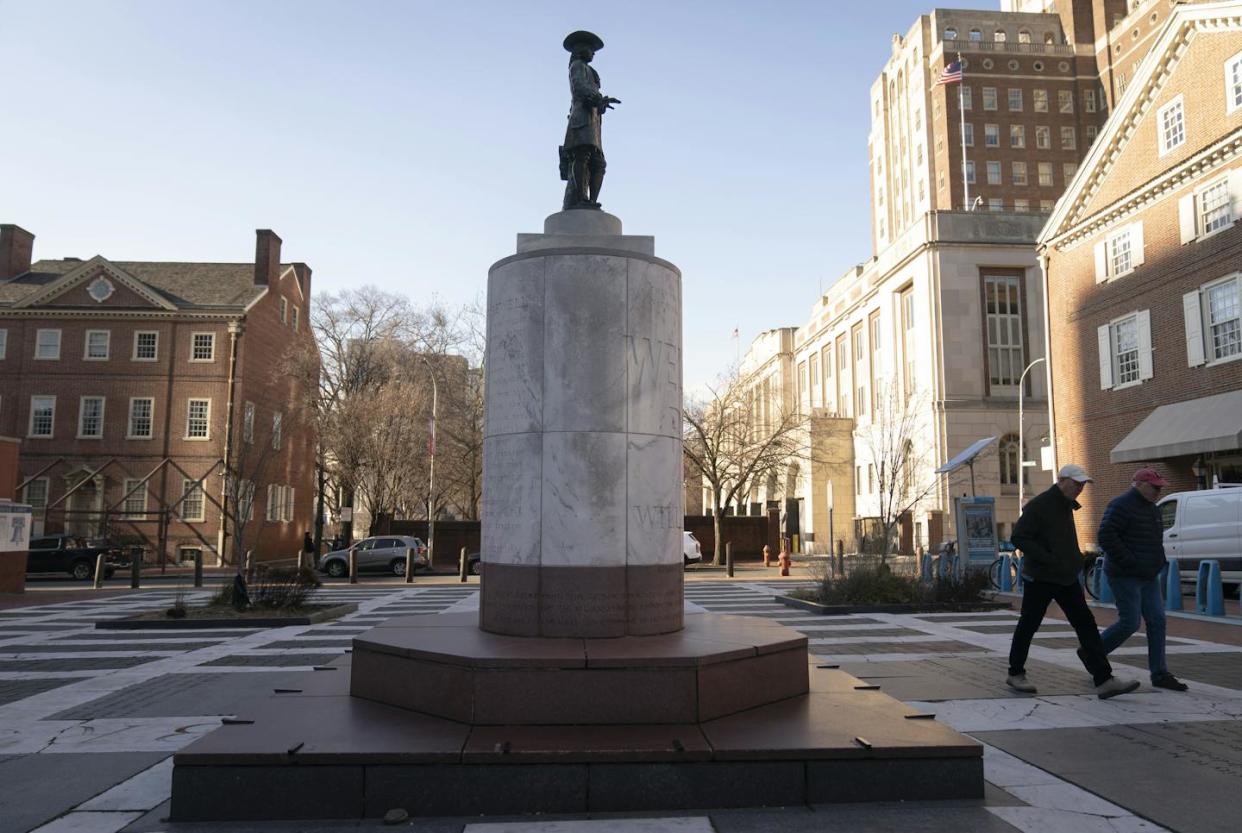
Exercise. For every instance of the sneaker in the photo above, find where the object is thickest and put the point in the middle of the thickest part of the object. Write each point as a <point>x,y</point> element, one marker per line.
<point>1019,682</point>
<point>1168,681</point>
<point>1114,686</point>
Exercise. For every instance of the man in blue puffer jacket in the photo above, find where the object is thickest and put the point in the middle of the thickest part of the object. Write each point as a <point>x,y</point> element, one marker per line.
<point>1132,536</point>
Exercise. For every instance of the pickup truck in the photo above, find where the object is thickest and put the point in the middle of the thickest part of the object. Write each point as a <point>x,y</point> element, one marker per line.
<point>67,554</point>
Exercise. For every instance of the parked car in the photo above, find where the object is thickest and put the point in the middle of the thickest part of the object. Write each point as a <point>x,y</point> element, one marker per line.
<point>690,549</point>
<point>67,554</point>
<point>1205,524</point>
<point>474,563</point>
<point>381,553</point>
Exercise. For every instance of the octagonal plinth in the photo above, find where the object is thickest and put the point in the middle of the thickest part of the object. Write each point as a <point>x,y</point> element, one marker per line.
<point>444,665</point>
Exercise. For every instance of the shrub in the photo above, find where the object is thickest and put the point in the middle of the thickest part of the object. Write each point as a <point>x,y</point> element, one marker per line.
<point>870,582</point>
<point>283,588</point>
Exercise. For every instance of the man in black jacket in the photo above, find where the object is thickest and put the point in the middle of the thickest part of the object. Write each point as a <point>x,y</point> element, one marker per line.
<point>1051,564</point>
<point>1132,536</point>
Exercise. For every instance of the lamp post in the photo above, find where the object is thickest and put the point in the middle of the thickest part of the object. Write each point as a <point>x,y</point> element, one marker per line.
<point>431,477</point>
<point>1021,445</point>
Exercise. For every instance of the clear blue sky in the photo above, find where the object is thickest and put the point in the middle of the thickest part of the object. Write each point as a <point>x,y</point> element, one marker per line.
<point>405,143</point>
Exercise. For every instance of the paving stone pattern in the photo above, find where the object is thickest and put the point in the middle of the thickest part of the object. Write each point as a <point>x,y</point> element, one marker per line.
<point>13,690</point>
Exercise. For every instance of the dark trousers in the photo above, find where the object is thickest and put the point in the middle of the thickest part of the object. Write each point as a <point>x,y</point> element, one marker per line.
<point>1036,596</point>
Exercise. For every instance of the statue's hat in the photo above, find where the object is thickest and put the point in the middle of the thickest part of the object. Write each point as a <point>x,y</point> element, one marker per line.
<point>581,37</point>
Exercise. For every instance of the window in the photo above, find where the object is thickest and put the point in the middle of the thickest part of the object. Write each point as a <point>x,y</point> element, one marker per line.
<point>1021,206</point>
<point>192,503</point>
<point>1215,207</point>
<point>1046,206</point>
<point>288,513</point>
<point>862,400</point>
<point>276,420</point>
<point>999,36</point>
<point>991,136</point>
<point>90,417</point>
<point>297,310</point>
<point>970,171</point>
<point>994,173</point>
<point>989,98</point>
<point>1003,310</point>
<point>1043,137</point>
<point>1233,83</point>
<point>1125,350</point>
<point>1015,99</point>
<point>858,480</point>
<point>35,493</point>
<point>47,345</point>
<point>1065,101</point>
<point>996,204</point>
<point>42,416</point>
<point>1119,253</point>
<point>97,343</point>
<point>1010,460</point>
<point>1039,101</point>
<point>1092,130</point>
<point>1024,36</point>
<point>284,310</point>
<point>1068,170</point>
<point>1120,260</point>
<point>907,339</point>
<point>870,478</point>
<point>275,502</point>
<point>1017,136</point>
<point>968,134</point>
<point>135,505</point>
<point>813,366</point>
<point>950,34</point>
<point>1019,173</point>
<point>4,343</point>
<point>1088,100</point>
<point>1224,327</point>
<point>1171,123</point>
<point>141,417</point>
<point>1045,174</point>
<point>976,35</point>
<point>203,347</point>
<point>248,422</point>
<point>146,345</point>
<point>967,98</point>
<point>197,419</point>
<point>1069,140</point>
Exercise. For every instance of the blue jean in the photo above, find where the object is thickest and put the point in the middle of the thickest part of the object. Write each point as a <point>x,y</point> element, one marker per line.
<point>1137,596</point>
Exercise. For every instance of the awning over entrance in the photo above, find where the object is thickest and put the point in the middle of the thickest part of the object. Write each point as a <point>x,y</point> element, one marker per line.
<point>1196,426</point>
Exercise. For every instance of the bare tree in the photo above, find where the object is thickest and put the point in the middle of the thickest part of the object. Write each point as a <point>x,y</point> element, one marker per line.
<point>732,444</point>
<point>896,442</point>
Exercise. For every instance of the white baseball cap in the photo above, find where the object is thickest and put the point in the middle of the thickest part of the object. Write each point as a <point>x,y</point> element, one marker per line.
<point>1074,472</point>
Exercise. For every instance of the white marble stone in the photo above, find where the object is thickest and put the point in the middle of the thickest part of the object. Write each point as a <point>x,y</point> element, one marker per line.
<point>144,791</point>
<point>655,512</point>
<point>584,500</point>
<point>513,472</point>
<point>584,344</point>
<point>1005,770</point>
<point>89,823</point>
<point>515,325</point>
<point>685,824</point>
<point>1044,820</point>
<point>1026,713</point>
<point>654,365</point>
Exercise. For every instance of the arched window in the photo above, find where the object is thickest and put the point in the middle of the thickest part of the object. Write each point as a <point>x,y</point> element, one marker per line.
<point>1010,461</point>
<point>1024,36</point>
<point>950,34</point>
<point>975,34</point>
<point>999,36</point>
<point>1050,39</point>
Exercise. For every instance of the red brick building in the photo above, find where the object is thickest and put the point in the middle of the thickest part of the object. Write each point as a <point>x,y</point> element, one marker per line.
<point>136,385</point>
<point>1144,262</point>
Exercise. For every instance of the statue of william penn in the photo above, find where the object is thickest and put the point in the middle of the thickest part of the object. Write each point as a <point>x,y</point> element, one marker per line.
<point>582,155</point>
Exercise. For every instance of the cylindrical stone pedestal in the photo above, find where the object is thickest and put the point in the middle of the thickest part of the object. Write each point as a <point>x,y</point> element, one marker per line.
<point>582,462</point>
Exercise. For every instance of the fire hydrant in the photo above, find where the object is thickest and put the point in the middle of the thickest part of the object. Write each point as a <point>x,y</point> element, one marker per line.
<point>767,556</point>
<point>785,561</point>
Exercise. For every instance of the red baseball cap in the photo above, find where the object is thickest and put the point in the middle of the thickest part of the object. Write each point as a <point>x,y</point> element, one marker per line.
<point>1150,476</point>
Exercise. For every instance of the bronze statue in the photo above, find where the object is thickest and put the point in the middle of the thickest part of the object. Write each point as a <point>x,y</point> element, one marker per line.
<point>582,155</point>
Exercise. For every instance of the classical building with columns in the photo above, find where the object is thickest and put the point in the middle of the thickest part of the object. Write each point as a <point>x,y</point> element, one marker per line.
<point>135,386</point>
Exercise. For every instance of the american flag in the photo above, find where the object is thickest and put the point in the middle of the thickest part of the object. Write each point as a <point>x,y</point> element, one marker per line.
<point>952,74</point>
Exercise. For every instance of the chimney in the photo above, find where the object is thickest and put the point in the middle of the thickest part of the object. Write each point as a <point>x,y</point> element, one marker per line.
<point>16,247</point>
<point>304,278</point>
<point>266,257</point>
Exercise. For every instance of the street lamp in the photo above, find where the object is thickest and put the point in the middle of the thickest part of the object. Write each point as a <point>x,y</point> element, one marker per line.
<point>431,484</point>
<point>1021,445</point>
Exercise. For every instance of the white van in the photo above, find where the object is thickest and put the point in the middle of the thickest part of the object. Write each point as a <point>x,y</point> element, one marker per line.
<point>1205,524</point>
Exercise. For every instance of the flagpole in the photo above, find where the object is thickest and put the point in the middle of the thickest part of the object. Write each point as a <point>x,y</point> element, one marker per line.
<point>961,109</point>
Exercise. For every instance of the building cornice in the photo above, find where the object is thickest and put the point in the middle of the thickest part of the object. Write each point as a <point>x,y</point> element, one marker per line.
<point>105,313</point>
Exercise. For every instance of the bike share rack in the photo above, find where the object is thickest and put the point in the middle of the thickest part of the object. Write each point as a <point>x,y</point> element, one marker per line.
<point>1171,577</point>
<point>1209,592</point>
<point>1099,583</point>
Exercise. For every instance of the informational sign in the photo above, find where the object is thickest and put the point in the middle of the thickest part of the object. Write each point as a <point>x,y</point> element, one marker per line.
<point>14,527</point>
<point>346,514</point>
<point>976,530</point>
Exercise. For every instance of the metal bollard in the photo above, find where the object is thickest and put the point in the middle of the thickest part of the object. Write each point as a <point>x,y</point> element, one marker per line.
<point>198,568</point>
<point>1209,593</point>
<point>248,566</point>
<point>729,559</point>
<point>1103,592</point>
<point>1172,586</point>
<point>463,565</point>
<point>353,567</point>
<point>99,570</point>
<point>135,570</point>
<point>409,565</point>
<point>926,565</point>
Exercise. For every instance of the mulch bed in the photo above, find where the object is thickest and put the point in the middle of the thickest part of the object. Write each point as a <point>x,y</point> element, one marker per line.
<point>226,617</point>
<point>925,607</point>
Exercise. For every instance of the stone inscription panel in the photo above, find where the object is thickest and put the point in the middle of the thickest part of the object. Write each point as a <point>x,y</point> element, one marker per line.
<point>653,350</point>
<point>512,494</point>
<point>514,394</point>
<point>655,513</point>
<point>584,503</point>
<point>584,338</point>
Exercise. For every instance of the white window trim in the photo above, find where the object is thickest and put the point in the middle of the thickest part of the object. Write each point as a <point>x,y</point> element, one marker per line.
<point>47,485</point>
<point>187,436</point>
<point>1230,105</point>
<point>277,430</point>
<point>194,338</point>
<point>86,346</point>
<point>1197,207</point>
<point>1206,323</point>
<point>134,356</point>
<point>248,422</point>
<point>103,406</point>
<point>127,484</point>
<point>186,482</point>
<point>38,336</point>
<point>1112,351</point>
<point>129,419</point>
<point>284,310</point>
<point>30,420</point>
<point>1176,101</point>
<point>4,343</point>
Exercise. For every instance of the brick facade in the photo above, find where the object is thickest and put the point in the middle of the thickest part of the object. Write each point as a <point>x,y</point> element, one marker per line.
<point>152,337</point>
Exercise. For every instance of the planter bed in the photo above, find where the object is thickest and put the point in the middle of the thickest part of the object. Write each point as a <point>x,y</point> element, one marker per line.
<point>228,618</point>
<point>925,607</point>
